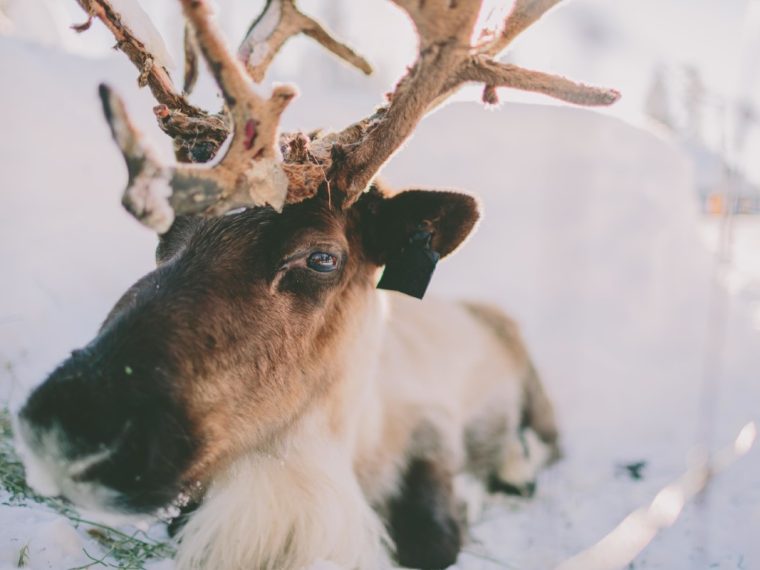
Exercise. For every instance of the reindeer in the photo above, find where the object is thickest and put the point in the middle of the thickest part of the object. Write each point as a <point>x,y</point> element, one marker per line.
<point>258,370</point>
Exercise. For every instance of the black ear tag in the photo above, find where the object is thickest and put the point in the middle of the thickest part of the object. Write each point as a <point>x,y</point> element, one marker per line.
<point>411,269</point>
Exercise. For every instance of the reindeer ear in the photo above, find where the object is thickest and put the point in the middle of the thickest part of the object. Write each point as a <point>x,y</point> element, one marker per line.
<point>411,230</point>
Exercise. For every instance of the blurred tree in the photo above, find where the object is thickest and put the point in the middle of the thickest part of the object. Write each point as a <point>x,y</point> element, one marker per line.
<point>695,95</point>
<point>657,103</point>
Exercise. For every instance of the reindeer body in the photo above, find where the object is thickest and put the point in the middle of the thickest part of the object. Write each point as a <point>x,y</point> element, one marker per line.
<point>427,389</point>
<point>258,362</point>
<point>323,417</point>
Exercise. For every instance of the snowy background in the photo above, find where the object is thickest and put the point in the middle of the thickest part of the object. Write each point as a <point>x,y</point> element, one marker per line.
<point>643,312</point>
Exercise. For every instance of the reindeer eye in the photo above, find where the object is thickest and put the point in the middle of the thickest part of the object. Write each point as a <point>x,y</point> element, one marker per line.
<point>322,262</point>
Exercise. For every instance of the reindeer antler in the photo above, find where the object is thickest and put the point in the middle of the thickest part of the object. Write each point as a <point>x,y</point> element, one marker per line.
<point>197,135</point>
<point>252,171</point>
<point>447,60</point>
<point>524,14</point>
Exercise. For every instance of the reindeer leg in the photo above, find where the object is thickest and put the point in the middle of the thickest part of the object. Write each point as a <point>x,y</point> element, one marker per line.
<point>423,519</point>
<point>504,455</point>
<point>530,445</point>
<point>518,471</point>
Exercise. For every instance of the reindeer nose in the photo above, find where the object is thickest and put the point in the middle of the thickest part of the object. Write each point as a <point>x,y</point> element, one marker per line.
<point>53,470</point>
<point>55,440</point>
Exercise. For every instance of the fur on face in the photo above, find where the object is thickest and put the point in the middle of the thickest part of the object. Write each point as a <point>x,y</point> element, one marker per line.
<point>320,415</point>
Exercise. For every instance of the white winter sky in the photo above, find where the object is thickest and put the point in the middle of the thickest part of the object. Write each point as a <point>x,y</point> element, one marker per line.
<point>611,42</point>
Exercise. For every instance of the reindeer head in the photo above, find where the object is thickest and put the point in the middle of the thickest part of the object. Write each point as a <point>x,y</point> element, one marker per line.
<point>265,263</point>
<point>222,346</point>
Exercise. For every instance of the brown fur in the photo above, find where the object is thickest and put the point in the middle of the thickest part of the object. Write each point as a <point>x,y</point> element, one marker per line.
<point>538,412</point>
<point>242,359</point>
<point>269,391</point>
<point>237,331</point>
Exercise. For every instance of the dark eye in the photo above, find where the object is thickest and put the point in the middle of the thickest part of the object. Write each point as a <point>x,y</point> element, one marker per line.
<point>322,262</point>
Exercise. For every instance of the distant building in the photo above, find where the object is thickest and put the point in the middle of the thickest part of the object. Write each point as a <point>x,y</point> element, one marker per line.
<point>678,101</point>
<point>720,188</point>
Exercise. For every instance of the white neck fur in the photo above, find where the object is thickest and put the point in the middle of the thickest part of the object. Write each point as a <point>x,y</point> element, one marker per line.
<point>303,503</point>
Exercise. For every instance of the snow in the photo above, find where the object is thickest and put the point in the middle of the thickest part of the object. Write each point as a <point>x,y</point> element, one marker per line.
<point>51,539</point>
<point>591,237</point>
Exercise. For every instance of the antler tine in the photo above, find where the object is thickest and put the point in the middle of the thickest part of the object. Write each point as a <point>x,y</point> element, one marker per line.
<point>440,21</point>
<point>447,59</point>
<point>148,188</point>
<point>279,21</point>
<point>524,14</point>
<point>190,50</point>
<point>176,116</point>
<point>495,74</point>
<point>444,30</point>
<point>255,120</point>
<point>251,171</point>
<point>151,74</point>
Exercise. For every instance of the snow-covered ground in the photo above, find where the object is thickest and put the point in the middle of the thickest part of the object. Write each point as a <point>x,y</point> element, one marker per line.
<point>591,238</point>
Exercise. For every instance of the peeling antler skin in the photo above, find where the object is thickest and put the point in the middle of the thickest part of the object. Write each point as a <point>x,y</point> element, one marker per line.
<point>279,21</point>
<point>250,173</point>
<point>255,119</point>
<point>253,172</point>
<point>155,76</point>
<point>178,118</point>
